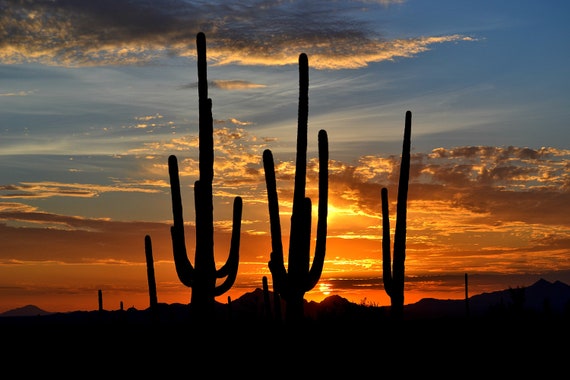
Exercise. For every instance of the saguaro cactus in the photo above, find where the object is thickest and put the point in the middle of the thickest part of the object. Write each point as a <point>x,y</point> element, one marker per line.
<point>293,283</point>
<point>393,267</point>
<point>100,299</point>
<point>202,276</point>
<point>150,272</point>
<point>466,296</point>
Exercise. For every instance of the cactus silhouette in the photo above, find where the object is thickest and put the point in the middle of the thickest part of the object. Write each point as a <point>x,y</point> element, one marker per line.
<point>393,267</point>
<point>150,272</point>
<point>100,299</point>
<point>466,296</point>
<point>277,307</point>
<point>230,311</point>
<point>266,300</point>
<point>269,315</point>
<point>201,277</point>
<point>292,283</point>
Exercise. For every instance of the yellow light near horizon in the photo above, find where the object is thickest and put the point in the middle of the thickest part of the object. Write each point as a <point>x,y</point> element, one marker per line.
<point>325,288</point>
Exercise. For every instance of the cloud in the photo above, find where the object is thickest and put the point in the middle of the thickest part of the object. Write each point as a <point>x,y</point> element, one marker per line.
<point>483,185</point>
<point>471,186</point>
<point>226,85</point>
<point>63,234</point>
<point>126,32</point>
<point>19,93</point>
<point>235,84</point>
<point>73,239</point>
<point>475,208</point>
<point>40,190</point>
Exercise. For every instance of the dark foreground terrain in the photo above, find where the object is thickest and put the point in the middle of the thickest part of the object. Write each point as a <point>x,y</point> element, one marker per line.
<point>132,344</point>
<point>494,336</point>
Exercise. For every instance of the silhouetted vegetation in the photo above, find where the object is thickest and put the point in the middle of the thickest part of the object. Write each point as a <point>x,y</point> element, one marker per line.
<point>393,265</point>
<point>202,276</point>
<point>300,276</point>
<point>253,311</point>
<point>153,298</point>
<point>466,295</point>
<point>100,299</point>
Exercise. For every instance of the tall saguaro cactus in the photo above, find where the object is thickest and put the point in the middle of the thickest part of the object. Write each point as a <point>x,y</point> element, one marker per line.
<point>393,265</point>
<point>202,276</point>
<point>300,277</point>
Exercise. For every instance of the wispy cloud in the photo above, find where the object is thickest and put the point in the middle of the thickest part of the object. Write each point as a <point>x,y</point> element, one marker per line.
<point>227,85</point>
<point>235,84</point>
<point>38,190</point>
<point>19,93</point>
<point>126,32</point>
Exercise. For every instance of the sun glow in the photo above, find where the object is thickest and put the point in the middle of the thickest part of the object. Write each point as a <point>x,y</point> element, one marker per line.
<point>325,288</point>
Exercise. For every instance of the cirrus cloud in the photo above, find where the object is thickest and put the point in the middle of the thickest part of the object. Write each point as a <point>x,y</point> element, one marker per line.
<point>127,32</point>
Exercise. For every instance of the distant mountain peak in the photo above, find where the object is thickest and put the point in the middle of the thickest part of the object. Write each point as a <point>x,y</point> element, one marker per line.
<point>25,311</point>
<point>542,282</point>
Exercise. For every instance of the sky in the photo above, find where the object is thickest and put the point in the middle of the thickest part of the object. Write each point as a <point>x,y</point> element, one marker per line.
<point>95,95</point>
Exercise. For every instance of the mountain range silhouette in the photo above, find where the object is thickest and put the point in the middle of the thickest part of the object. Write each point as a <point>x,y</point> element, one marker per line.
<point>543,298</point>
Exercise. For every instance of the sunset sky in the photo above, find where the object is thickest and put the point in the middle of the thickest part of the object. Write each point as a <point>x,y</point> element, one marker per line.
<point>95,95</point>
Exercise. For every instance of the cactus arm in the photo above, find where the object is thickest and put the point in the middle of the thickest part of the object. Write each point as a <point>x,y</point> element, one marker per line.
<point>386,247</point>
<point>276,263</point>
<point>401,211</point>
<point>394,269</point>
<point>230,268</point>
<point>184,268</point>
<point>233,256</point>
<point>320,247</point>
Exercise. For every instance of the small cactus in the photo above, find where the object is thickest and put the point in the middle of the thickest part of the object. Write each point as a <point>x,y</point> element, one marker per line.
<point>466,296</point>
<point>150,272</point>
<point>100,299</point>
